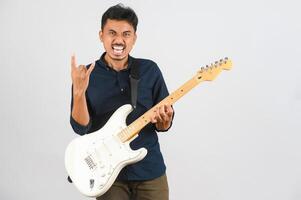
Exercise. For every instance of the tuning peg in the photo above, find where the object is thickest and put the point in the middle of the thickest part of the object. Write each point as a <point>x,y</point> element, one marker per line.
<point>216,64</point>
<point>221,62</point>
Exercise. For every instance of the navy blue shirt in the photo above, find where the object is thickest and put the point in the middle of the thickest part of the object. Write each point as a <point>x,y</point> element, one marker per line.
<point>107,91</point>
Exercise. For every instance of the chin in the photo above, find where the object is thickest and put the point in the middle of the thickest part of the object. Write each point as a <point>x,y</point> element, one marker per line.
<point>121,57</point>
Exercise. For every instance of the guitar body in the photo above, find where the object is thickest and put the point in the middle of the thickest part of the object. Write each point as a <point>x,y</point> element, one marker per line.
<point>93,161</point>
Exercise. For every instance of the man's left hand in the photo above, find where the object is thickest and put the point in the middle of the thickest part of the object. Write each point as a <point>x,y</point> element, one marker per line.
<point>162,117</point>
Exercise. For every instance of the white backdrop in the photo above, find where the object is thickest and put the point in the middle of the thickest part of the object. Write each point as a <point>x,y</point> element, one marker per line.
<point>235,138</point>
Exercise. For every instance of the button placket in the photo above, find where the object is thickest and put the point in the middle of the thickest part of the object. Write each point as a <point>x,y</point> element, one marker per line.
<point>119,81</point>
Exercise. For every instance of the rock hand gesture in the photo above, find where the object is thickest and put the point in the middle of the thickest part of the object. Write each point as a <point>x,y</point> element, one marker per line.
<point>80,77</point>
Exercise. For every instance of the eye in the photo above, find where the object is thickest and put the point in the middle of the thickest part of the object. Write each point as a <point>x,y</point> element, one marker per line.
<point>112,33</point>
<point>126,34</point>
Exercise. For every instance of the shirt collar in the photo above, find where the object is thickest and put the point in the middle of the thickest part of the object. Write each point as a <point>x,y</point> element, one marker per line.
<point>103,63</point>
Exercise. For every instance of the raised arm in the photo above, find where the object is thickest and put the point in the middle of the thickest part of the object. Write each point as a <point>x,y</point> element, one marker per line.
<point>80,80</point>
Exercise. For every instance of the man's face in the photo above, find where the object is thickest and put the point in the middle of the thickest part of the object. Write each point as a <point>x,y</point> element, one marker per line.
<point>118,38</point>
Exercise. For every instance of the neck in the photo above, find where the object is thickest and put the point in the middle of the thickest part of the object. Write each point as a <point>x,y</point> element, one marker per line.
<point>116,64</point>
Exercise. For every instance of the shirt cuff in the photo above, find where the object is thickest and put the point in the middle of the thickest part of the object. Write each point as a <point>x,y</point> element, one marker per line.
<point>168,127</point>
<point>78,128</point>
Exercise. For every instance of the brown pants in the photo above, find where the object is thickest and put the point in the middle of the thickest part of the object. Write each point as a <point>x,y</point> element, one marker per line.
<point>156,189</point>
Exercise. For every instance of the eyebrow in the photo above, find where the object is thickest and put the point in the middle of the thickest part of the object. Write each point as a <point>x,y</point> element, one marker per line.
<point>122,32</point>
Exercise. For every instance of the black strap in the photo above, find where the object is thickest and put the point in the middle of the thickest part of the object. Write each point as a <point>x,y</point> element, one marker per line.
<point>134,77</point>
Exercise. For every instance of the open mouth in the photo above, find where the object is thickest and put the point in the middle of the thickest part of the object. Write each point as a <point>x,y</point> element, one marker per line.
<point>118,49</point>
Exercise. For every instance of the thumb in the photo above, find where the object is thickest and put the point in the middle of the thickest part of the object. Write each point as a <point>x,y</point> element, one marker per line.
<point>91,68</point>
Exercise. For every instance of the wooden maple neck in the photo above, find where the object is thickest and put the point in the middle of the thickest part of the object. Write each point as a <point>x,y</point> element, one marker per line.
<point>207,73</point>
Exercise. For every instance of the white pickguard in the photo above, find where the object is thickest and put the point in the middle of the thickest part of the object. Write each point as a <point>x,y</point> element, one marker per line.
<point>94,161</point>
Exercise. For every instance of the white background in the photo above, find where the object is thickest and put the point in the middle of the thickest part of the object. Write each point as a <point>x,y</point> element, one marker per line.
<point>235,138</point>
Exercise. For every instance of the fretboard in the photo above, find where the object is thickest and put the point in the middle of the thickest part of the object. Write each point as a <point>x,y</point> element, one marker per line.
<point>134,128</point>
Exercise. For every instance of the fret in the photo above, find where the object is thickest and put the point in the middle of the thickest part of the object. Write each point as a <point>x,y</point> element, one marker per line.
<point>127,131</point>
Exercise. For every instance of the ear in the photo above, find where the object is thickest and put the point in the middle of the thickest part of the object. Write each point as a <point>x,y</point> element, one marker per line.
<point>100,35</point>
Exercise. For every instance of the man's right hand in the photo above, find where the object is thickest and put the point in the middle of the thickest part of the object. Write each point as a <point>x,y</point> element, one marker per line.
<point>80,77</point>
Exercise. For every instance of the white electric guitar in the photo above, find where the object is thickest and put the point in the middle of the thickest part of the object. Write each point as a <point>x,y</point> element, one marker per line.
<point>93,161</point>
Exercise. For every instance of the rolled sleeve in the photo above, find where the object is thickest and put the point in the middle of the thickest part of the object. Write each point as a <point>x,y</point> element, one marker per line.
<point>78,128</point>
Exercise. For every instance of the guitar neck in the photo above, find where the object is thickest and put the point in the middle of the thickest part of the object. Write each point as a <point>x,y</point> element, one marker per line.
<point>134,128</point>
<point>207,73</point>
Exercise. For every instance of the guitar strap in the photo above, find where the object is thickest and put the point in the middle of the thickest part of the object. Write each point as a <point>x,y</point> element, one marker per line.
<point>134,78</point>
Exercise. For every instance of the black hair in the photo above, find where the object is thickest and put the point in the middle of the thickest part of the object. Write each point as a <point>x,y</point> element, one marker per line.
<point>120,12</point>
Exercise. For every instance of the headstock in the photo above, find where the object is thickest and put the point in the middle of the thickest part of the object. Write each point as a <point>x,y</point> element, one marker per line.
<point>209,72</point>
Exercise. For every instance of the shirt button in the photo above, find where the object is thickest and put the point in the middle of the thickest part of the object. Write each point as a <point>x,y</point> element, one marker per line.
<point>121,89</point>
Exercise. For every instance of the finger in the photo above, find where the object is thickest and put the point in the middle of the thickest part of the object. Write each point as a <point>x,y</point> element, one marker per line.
<point>164,111</point>
<point>156,115</point>
<point>81,71</point>
<point>160,113</point>
<point>73,62</point>
<point>169,110</point>
<point>153,117</point>
<point>82,68</point>
<point>154,120</point>
<point>91,68</point>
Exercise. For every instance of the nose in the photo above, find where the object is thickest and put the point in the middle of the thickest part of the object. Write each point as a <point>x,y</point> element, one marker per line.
<point>119,39</point>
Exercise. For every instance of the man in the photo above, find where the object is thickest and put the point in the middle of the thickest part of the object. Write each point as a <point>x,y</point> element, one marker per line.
<point>102,87</point>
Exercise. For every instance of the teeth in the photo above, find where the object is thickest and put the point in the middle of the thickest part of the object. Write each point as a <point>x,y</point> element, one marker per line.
<point>118,47</point>
<point>117,51</point>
